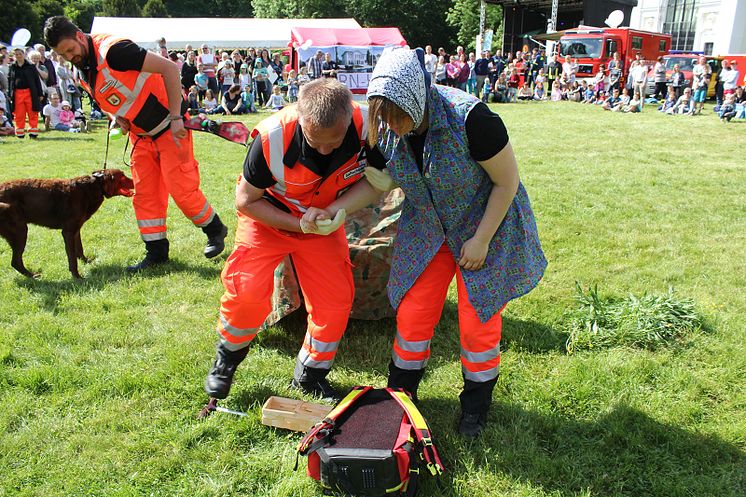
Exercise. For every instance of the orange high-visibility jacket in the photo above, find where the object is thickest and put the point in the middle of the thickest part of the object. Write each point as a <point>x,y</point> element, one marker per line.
<point>138,96</point>
<point>297,187</point>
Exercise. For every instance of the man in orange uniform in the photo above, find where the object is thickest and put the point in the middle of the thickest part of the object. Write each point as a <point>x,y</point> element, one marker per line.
<point>142,91</point>
<point>301,176</point>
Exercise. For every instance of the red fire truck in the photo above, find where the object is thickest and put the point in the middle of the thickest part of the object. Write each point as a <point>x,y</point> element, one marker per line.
<point>595,46</point>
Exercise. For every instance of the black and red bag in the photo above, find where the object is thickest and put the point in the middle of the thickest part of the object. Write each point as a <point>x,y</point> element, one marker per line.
<point>373,443</point>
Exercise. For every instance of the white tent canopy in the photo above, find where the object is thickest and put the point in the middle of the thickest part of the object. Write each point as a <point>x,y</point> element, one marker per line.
<point>216,32</point>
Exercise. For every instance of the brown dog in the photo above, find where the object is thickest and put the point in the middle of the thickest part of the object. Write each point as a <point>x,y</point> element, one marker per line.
<point>56,203</point>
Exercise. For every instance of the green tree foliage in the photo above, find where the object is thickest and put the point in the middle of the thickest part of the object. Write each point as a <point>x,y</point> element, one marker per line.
<point>17,15</point>
<point>464,16</point>
<point>121,8</point>
<point>82,13</point>
<point>154,8</point>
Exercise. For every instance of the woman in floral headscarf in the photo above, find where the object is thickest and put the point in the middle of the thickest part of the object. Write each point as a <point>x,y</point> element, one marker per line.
<point>465,213</point>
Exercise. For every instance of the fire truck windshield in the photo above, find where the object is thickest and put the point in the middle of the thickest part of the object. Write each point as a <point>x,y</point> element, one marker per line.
<point>581,47</point>
<point>685,63</point>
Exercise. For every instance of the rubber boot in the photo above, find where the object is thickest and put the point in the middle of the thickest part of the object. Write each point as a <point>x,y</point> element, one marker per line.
<point>216,232</point>
<point>476,398</point>
<point>408,379</point>
<point>313,381</point>
<point>220,377</point>
<point>156,252</point>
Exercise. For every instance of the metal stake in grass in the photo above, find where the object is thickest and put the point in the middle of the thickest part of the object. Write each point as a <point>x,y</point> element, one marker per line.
<point>213,406</point>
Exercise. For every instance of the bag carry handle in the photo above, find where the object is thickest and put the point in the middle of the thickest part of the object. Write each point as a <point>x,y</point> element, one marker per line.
<point>422,432</point>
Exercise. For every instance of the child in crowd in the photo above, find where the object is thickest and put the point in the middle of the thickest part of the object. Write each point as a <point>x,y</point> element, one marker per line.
<point>614,102</point>
<point>556,92</point>
<point>201,82</point>
<point>573,92</point>
<point>210,103</point>
<point>193,99</point>
<point>635,104</point>
<point>539,91</point>
<point>67,119</point>
<point>227,75</point>
<point>292,87</point>
<point>513,86</point>
<point>524,93</point>
<point>247,95</point>
<point>669,102</point>
<point>303,77</point>
<point>625,97</point>
<point>276,102</point>
<point>728,109</point>
<point>589,96</point>
<point>684,104</point>
<point>244,78</point>
<point>6,129</point>
<point>486,89</point>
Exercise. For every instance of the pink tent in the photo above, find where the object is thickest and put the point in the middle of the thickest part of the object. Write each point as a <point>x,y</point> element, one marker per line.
<point>322,37</point>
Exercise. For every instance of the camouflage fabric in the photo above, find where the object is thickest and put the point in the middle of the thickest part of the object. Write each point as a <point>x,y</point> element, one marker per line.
<point>370,235</point>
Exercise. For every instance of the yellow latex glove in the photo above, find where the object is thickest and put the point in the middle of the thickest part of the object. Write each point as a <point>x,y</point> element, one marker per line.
<point>328,226</point>
<point>380,179</point>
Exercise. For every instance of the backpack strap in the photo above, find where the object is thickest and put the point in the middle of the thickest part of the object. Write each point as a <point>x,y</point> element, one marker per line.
<point>421,431</point>
<point>317,435</point>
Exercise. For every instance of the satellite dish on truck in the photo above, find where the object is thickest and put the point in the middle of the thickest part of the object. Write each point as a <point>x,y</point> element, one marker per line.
<point>615,19</point>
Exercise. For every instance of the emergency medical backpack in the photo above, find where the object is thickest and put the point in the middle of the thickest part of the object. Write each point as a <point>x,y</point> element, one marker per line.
<point>373,443</point>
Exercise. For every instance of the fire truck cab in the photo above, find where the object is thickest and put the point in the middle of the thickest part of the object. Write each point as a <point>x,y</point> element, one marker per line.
<point>595,46</point>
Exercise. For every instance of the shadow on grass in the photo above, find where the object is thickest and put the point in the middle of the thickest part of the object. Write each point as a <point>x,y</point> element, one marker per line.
<point>100,275</point>
<point>624,452</point>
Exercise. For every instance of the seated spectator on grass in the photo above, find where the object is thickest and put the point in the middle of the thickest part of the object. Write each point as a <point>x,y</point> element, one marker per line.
<point>6,128</point>
<point>684,105</point>
<point>669,102</point>
<point>728,109</point>
<point>524,93</point>
<point>625,97</point>
<point>635,104</point>
<point>303,77</point>
<point>231,103</point>
<point>67,118</point>
<point>210,103</point>
<point>276,102</point>
<point>614,102</point>
<point>589,95</point>
<point>247,96</point>
<point>193,98</point>
<point>574,92</point>
<point>539,91</point>
<point>556,95</point>
<point>500,92</point>
<point>740,95</point>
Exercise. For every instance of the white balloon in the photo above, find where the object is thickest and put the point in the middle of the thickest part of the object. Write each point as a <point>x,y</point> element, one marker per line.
<point>615,19</point>
<point>20,38</point>
<point>306,44</point>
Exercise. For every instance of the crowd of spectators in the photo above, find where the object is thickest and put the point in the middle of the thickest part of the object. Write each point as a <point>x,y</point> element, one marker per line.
<point>244,81</point>
<point>531,75</point>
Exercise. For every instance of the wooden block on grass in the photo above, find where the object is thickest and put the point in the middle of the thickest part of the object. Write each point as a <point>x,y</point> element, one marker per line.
<point>291,414</point>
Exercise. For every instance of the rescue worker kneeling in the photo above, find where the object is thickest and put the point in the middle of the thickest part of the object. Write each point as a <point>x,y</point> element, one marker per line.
<point>301,175</point>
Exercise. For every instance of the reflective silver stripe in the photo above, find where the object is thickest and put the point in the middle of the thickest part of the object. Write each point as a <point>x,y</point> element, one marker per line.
<point>305,359</point>
<point>201,213</point>
<point>411,345</point>
<point>297,204</point>
<point>149,237</point>
<point>233,346</point>
<point>163,125</point>
<point>206,221</point>
<point>130,95</point>
<point>237,332</point>
<point>481,356</point>
<point>404,364</point>
<point>320,346</point>
<point>481,376</point>
<point>276,149</point>
<point>151,223</point>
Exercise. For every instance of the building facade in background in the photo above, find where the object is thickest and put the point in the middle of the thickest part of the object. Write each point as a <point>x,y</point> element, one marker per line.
<point>710,26</point>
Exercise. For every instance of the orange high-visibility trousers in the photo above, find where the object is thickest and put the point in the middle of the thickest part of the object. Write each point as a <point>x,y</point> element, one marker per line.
<point>324,271</point>
<point>161,168</point>
<point>23,108</point>
<point>420,310</point>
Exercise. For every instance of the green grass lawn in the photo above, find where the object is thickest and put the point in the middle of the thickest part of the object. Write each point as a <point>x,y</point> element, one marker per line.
<point>101,379</point>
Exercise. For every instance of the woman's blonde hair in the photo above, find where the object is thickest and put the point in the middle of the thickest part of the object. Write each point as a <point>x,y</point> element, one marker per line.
<point>381,109</point>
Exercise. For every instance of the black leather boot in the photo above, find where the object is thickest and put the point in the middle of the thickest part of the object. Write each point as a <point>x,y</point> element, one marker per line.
<point>476,398</point>
<point>156,252</point>
<point>220,377</point>
<point>313,381</point>
<point>216,232</point>
<point>408,379</point>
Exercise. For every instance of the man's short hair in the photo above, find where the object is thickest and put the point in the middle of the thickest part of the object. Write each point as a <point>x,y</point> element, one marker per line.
<point>59,28</point>
<point>324,102</point>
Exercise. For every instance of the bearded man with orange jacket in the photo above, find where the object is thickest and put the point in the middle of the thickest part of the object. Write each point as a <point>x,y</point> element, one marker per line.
<point>301,176</point>
<point>142,91</point>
